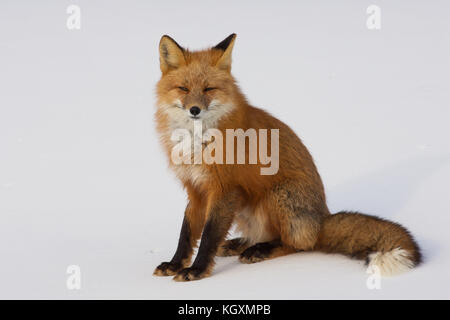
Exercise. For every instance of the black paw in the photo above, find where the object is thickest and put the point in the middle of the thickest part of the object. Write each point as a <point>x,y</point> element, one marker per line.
<point>167,269</point>
<point>232,247</point>
<point>256,253</point>
<point>190,274</point>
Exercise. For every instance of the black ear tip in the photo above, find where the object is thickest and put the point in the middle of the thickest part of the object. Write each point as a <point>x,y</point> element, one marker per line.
<point>225,43</point>
<point>172,40</point>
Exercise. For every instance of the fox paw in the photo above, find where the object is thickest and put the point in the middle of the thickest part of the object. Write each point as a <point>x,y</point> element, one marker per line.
<point>231,247</point>
<point>225,251</point>
<point>167,269</point>
<point>256,253</point>
<point>190,274</point>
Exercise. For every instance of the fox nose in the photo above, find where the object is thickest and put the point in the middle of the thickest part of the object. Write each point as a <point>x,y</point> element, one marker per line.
<point>194,110</point>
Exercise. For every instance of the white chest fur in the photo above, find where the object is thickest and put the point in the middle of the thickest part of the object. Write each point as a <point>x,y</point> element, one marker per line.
<point>252,224</point>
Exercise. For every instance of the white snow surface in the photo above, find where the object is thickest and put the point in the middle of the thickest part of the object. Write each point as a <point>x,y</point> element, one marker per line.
<point>83,180</point>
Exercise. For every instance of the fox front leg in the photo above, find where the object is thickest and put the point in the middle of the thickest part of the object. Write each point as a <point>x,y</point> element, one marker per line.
<point>189,235</point>
<point>216,228</point>
<point>183,253</point>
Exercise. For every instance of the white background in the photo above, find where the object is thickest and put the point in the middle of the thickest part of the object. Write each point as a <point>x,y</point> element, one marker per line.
<point>83,179</point>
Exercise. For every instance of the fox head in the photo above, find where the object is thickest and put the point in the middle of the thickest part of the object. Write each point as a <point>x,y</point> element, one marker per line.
<point>196,85</point>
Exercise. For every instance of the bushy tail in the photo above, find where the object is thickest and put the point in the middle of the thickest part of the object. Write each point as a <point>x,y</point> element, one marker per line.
<point>383,244</point>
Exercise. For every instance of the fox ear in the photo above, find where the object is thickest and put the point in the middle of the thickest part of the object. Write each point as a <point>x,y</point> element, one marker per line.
<point>171,54</point>
<point>226,46</point>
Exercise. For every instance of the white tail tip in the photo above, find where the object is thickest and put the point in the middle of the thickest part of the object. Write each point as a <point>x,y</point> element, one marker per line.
<point>391,263</point>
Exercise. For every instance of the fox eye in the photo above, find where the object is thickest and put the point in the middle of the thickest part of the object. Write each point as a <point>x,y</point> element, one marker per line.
<point>209,89</point>
<point>184,89</point>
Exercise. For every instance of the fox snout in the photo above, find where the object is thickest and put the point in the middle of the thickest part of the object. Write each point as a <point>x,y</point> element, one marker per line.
<point>194,111</point>
<point>195,104</point>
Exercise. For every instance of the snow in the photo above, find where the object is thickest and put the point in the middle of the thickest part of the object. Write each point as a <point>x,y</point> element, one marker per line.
<point>83,180</point>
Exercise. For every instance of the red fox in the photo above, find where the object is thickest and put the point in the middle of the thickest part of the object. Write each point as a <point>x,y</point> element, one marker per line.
<point>277,214</point>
